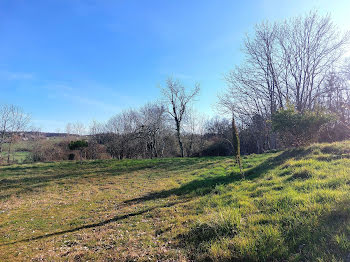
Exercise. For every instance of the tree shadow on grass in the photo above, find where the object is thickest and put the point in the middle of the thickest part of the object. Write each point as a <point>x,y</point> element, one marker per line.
<point>17,178</point>
<point>39,176</point>
<point>206,185</point>
<point>312,235</point>
<point>312,238</point>
<point>162,165</point>
<point>93,225</point>
<point>195,187</point>
<point>317,237</point>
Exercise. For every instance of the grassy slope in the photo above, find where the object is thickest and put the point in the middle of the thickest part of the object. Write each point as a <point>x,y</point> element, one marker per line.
<point>293,205</point>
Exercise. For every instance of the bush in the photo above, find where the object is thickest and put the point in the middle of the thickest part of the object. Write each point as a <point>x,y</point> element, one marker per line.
<point>45,150</point>
<point>216,147</point>
<point>299,128</point>
<point>77,145</point>
<point>337,131</point>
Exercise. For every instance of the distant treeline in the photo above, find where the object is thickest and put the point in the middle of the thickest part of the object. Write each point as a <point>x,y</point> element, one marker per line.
<point>291,89</point>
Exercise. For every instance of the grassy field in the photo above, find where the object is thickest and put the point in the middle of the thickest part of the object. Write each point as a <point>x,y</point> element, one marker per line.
<point>292,206</point>
<point>19,153</point>
<point>18,157</point>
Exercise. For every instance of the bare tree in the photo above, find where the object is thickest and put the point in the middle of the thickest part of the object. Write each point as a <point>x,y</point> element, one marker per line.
<point>121,132</point>
<point>177,100</point>
<point>5,123</point>
<point>346,69</point>
<point>255,87</point>
<point>16,121</point>
<point>311,46</point>
<point>152,123</point>
<point>284,63</point>
<point>226,105</point>
<point>193,129</point>
<point>69,129</point>
<point>96,131</point>
<point>78,128</point>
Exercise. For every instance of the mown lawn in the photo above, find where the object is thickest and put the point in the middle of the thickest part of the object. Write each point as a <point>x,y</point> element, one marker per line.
<point>292,206</point>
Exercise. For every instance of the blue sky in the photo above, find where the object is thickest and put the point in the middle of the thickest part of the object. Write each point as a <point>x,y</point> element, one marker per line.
<point>69,60</point>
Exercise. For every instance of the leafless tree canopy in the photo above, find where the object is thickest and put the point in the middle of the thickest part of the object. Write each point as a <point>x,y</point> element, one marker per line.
<point>12,121</point>
<point>285,63</point>
<point>177,100</point>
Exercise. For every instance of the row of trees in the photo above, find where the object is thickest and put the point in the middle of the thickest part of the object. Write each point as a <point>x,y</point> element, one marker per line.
<point>298,64</point>
<point>155,129</point>
<point>291,89</point>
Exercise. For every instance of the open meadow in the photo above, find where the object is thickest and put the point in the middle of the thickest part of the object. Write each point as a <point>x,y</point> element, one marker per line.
<point>293,205</point>
<point>165,131</point>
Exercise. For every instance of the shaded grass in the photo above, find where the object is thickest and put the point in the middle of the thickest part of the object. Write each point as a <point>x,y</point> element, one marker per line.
<point>292,206</point>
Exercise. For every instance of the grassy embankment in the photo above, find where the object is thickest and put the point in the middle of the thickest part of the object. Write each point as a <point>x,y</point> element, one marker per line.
<point>293,206</point>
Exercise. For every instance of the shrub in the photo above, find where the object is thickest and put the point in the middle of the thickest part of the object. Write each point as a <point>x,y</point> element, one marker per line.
<point>71,156</point>
<point>78,145</point>
<point>216,147</point>
<point>45,150</point>
<point>299,128</point>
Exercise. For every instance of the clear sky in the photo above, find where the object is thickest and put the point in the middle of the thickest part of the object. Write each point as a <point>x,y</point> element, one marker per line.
<point>69,60</point>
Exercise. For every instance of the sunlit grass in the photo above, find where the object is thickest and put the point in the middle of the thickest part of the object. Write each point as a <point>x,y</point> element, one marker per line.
<point>292,206</point>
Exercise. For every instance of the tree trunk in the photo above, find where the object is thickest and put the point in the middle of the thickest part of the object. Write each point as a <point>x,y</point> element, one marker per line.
<point>236,145</point>
<point>9,152</point>
<point>179,139</point>
<point>81,156</point>
<point>2,139</point>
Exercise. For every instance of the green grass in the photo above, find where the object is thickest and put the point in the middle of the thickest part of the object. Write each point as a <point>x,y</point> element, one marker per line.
<point>18,157</point>
<point>293,205</point>
<point>20,151</point>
